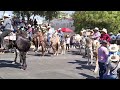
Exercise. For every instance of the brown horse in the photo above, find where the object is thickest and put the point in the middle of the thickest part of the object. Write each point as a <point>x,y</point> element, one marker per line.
<point>55,43</point>
<point>38,40</point>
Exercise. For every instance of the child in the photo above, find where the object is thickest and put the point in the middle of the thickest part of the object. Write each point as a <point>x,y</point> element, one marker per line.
<point>67,42</point>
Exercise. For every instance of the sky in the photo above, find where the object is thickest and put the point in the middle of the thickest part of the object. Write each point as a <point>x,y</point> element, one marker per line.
<point>10,12</point>
<point>37,17</point>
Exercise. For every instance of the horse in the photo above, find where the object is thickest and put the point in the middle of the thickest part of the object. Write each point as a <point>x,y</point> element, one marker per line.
<point>55,43</point>
<point>22,44</point>
<point>91,50</point>
<point>38,40</point>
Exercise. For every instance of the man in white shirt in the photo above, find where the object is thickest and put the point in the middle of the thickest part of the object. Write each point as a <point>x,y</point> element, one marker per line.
<point>7,28</point>
<point>50,33</point>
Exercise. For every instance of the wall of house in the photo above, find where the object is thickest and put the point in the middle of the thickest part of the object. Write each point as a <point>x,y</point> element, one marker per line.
<point>61,23</point>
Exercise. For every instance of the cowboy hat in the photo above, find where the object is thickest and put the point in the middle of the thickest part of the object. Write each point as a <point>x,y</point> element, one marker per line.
<point>96,28</point>
<point>90,31</point>
<point>110,33</point>
<point>113,58</point>
<point>104,30</point>
<point>6,15</point>
<point>29,25</point>
<point>49,27</point>
<point>83,31</point>
<point>113,48</point>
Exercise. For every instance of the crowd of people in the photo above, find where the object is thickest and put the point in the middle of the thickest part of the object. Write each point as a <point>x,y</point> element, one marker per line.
<point>108,53</point>
<point>12,25</point>
<point>106,69</point>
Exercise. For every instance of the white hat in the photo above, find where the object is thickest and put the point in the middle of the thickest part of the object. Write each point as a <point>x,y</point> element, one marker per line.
<point>49,27</point>
<point>59,29</point>
<point>43,27</point>
<point>96,28</point>
<point>6,15</point>
<point>104,30</point>
<point>83,30</point>
<point>114,57</point>
<point>113,48</point>
<point>29,25</point>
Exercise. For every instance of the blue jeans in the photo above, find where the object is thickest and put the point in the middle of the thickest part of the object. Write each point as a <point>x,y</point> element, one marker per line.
<point>48,40</point>
<point>102,69</point>
<point>110,76</point>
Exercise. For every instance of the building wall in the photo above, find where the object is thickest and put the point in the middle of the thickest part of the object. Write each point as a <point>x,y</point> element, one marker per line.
<point>61,23</point>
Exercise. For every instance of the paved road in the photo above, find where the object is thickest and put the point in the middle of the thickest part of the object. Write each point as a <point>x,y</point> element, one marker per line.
<point>69,66</point>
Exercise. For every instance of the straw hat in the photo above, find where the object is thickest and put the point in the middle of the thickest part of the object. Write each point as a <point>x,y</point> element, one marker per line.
<point>113,48</point>
<point>29,25</point>
<point>104,30</point>
<point>114,58</point>
<point>83,31</point>
<point>96,28</point>
<point>6,15</point>
<point>49,27</point>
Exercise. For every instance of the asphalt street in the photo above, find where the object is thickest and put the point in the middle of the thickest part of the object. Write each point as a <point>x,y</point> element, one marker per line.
<point>68,66</point>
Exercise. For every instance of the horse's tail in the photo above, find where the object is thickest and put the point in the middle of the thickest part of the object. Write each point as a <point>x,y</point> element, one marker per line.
<point>57,46</point>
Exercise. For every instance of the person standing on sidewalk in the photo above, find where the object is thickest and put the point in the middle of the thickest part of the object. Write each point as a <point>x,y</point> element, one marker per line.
<point>102,58</point>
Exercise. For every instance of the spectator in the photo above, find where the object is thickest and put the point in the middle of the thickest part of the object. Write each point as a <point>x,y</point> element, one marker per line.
<point>104,35</point>
<point>102,58</point>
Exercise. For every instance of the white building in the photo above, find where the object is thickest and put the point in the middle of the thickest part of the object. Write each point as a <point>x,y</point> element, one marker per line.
<point>61,23</point>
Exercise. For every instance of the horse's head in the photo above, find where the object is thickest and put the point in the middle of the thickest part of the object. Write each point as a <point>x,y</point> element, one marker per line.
<point>21,33</point>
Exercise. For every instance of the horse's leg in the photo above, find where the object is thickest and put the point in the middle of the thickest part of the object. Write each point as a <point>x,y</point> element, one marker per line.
<point>21,58</point>
<point>91,56</point>
<point>43,49</point>
<point>24,65</point>
<point>54,49</point>
<point>36,44</point>
<point>16,54</point>
<point>88,54</point>
<point>80,48</point>
<point>96,65</point>
<point>85,52</point>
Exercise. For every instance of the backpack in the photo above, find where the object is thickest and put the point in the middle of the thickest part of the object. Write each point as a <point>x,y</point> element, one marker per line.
<point>118,37</point>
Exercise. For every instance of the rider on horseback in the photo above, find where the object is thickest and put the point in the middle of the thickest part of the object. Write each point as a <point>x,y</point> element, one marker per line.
<point>49,34</point>
<point>61,35</point>
<point>7,28</point>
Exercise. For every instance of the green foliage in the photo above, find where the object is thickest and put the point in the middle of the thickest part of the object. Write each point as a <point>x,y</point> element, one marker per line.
<point>102,19</point>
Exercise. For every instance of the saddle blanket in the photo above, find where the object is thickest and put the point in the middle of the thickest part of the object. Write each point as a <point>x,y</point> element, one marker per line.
<point>11,37</point>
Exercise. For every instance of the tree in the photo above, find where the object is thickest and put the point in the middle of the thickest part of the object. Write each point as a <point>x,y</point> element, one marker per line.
<point>102,19</point>
<point>47,14</point>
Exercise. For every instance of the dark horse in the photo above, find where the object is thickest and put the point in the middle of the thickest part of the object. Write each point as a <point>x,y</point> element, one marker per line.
<point>22,44</point>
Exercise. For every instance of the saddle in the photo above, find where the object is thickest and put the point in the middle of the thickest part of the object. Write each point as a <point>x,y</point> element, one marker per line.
<point>11,36</point>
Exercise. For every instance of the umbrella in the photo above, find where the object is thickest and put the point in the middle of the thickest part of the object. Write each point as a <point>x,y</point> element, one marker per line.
<point>66,30</point>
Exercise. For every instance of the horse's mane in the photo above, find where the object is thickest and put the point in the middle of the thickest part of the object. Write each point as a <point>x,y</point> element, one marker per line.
<point>21,33</point>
